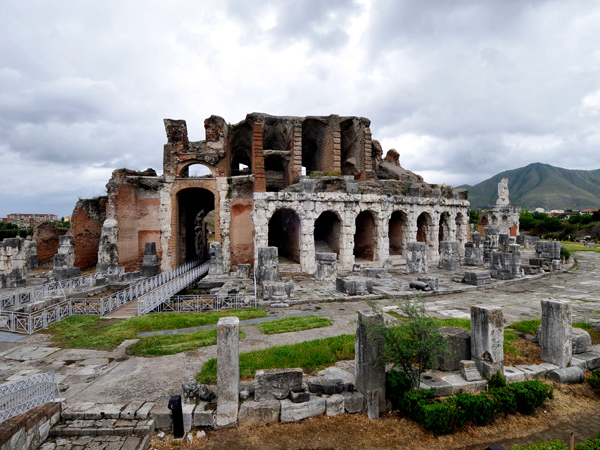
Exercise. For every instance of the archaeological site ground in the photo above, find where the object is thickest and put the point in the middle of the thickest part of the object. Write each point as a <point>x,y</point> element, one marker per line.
<point>257,293</point>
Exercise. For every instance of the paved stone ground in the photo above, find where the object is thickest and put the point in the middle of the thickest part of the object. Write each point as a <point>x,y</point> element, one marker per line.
<point>115,377</point>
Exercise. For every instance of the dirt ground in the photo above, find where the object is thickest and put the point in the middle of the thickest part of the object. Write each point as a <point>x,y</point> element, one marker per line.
<point>570,403</point>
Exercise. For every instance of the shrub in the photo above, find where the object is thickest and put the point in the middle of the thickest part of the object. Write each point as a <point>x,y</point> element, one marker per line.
<point>497,381</point>
<point>441,418</point>
<point>530,395</point>
<point>477,409</point>
<point>412,403</point>
<point>565,254</point>
<point>397,383</point>
<point>594,380</point>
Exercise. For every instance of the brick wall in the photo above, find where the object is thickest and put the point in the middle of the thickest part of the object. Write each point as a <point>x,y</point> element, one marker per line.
<point>29,430</point>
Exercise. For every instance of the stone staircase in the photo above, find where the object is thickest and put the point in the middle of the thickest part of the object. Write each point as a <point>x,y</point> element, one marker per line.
<point>88,434</point>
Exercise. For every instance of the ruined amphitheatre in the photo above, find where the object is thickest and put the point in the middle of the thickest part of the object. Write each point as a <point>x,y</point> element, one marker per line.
<point>294,216</point>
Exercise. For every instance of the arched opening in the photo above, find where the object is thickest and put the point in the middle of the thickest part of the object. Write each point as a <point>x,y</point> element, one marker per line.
<point>274,173</point>
<point>284,233</point>
<point>328,228</point>
<point>314,157</point>
<point>365,236</point>
<point>444,228</point>
<point>196,223</point>
<point>240,149</point>
<point>483,222</point>
<point>423,223</point>
<point>351,147</point>
<point>196,170</point>
<point>396,232</point>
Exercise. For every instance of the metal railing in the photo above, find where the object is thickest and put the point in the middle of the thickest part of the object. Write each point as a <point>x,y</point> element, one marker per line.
<point>194,303</point>
<point>29,323</point>
<point>20,396</point>
<point>54,289</point>
<point>151,300</point>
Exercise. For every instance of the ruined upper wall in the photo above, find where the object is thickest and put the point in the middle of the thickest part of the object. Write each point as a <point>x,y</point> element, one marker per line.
<point>277,150</point>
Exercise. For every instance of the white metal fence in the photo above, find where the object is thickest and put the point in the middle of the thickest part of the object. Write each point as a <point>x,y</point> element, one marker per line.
<point>29,323</point>
<point>54,289</point>
<point>194,303</point>
<point>153,299</point>
<point>18,397</point>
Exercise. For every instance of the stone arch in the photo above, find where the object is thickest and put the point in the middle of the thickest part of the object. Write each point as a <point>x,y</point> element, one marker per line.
<point>314,156</point>
<point>284,233</point>
<point>482,223</point>
<point>327,232</point>
<point>424,224</point>
<point>397,232</point>
<point>187,171</point>
<point>240,148</point>
<point>194,206</point>
<point>365,236</point>
<point>444,228</point>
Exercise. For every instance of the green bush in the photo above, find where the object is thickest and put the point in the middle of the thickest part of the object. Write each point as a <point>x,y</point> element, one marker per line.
<point>454,413</point>
<point>565,253</point>
<point>397,383</point>
<point>558,444</point>
<point>497,381</point>
<point>594,380</point>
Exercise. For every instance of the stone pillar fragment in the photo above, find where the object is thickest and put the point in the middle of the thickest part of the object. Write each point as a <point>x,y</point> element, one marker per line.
<point>326,266</point>
<point>150,265</point>
<point>370,363</point>
<point>13,263</point>
<point>490,243</point>
<point>267,268</point>
<point>228,371</point>
<point>216,266</point>
<point>416,257</point>
<point>31,253</point>
<point>487,339</point>
<point>64,260</point>
<point>473,254</point>
<point>556,336</point>
<point>449,255</point>
<point>108,256</point>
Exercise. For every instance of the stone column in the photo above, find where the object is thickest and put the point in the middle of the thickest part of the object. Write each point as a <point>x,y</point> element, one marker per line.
<point>556,338</point>
<point>150,262</point>
<point>416,257</point>
<point>449,256</point>
<point>64,260</point>
<point>326,267</point>
<point>228,371</point>
<point>370,363</point>
<point>108,256</point>
<point>487,339</point>
<point>267,267</point>
<point>216,266</point>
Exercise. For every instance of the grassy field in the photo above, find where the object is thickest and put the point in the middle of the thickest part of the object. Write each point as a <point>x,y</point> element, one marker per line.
<point>290,324</point>
<point>161,345</point>
<point>578,247</point>
<point>308,355</point>
<point>96,333</point>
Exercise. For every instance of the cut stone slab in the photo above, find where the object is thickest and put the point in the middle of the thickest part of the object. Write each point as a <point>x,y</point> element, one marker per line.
<point>294,412</point>
<point>376,272</point>
<point>512,374</point>
<point>458,346</point>
<point>162,417</point>
<point>533,371</point>
<point>354,285</point>
<point>144,411</point>
<point>581,363</point>
<point>130,410</point>
<point>459,384</point>
<point>354,402</point>
<point>188,412</point>
<point>469,371</point>
<point>104,411</point>
<point>582,341</point>
<point>487,339</point>
<point>568,375</point>
<point>335,405</point>
<point>441,387</point>
<point>276,384</point>
<point>259,413</point>
<point>203,416</point>
<point>592,359</point>
<point>478,278</point>
<point>432,282</point>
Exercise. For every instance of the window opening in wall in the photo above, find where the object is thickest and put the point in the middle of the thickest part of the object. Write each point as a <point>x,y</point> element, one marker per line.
<point>284,233</point>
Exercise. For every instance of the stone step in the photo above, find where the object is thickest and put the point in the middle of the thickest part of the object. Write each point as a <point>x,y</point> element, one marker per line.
<point>111,442</point>
<point>103,427</point>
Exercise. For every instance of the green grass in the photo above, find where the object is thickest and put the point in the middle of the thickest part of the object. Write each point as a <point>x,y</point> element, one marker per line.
<point>452,322</point>
<point>161,345</point>
<point>578,247</point>
<point>96,333</point>
<point>308,355</point>
<point>526,326</point>
<point>290,324</point>
<point>509,343</point>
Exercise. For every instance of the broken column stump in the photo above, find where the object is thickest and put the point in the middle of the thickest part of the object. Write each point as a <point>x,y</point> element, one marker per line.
<point>267,266</point>
<point>370,363</point>
<point>228,371</point>
<point>64,261</point>
<point>416,257</point>
<point>326,266</point>
<point>150,265</point>
<point>449,255</point>
<point>555,336</point>
<point>487,339</point>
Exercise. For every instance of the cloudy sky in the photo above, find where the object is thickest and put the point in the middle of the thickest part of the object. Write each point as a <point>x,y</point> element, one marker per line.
<point>462,89</point>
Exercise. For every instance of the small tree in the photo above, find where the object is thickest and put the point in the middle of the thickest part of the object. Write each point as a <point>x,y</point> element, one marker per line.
<point>414,344</point>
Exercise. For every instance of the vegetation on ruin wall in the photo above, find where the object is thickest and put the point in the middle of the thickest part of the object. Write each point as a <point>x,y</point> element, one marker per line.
<point>8,230</point>
<point>309,356</point>
<point>161,345</point>
<point>96,333</point>
<point>559,444</point>
<point>560,227</point>
<point>457,412</point>
<point>290,324</point>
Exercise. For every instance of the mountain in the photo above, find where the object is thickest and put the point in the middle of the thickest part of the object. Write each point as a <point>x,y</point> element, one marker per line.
<point>541,186</point>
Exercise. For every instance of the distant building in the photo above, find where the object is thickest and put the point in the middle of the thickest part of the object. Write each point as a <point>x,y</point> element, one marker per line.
<point>29,220</point>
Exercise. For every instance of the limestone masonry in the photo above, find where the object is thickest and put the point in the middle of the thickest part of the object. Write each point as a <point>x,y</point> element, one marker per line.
<point>305,185</point>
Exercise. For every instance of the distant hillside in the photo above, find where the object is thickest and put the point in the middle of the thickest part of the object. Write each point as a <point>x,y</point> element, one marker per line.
<point>541,185</point>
